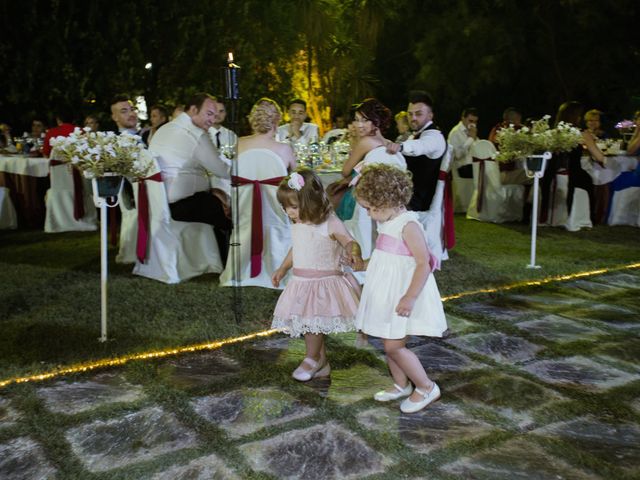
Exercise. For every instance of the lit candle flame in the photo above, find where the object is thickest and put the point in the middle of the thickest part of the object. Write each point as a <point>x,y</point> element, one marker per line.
<point>230,57</point>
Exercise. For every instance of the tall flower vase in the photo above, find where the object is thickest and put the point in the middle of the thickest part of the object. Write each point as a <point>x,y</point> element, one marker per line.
<point>106,190</point>
<point>534,166</point>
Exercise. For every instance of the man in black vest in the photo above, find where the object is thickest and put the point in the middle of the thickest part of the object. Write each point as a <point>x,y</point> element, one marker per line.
<point>423,151</point>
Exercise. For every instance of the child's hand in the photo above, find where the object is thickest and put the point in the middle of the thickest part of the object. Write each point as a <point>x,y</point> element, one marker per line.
<point>277,276</point>
<point>405,306</point>
<point>357,263</point>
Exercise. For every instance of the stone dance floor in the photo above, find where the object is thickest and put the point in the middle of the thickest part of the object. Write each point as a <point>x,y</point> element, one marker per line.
<point>542,383</point>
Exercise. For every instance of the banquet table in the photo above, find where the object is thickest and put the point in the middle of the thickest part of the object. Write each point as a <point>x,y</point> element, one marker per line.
<point>27,178</point>
<point>614,166</point>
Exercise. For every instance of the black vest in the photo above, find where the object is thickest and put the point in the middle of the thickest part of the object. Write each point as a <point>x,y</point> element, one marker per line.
<point>424,171</point>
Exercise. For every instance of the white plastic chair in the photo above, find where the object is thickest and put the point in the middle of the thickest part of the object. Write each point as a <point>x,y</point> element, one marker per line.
<point>462,191</point>
<point>128,230</point>
<point>624,207</point>
<point>496,203</point>
<point>8,216</point>
<point>59,202</point>
<point>176,251</point>
<point>433,219</point>
<point>557,214</point>
<point>257,164</point>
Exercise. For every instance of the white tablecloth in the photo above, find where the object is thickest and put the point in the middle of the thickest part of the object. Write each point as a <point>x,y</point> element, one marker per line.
<point>21,165</point>
<point>327,177</point>
<point>615,165</point>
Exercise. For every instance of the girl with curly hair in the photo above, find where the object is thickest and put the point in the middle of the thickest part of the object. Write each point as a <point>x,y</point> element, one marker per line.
<point>319,298</point>
<point>400,296</point>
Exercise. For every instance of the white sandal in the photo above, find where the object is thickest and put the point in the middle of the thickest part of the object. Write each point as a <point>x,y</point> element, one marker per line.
<point>317,370</point>
<point>400,392</point>
<point>408,406</point>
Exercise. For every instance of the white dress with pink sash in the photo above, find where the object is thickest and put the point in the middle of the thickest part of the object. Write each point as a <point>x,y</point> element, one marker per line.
<point>319,297</point>
<point>389,274</point>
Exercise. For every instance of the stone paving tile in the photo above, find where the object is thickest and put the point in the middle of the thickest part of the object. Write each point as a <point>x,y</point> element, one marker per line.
<point>347,386</point>
<point>436,358</point>
<point>580,371</point>
<point>142,435</point>
<point>519,459</point>
<point>593,287</point>
<point>76,397</point>
<point>458,325</point>
<point>617,444</point>
<point>8,415</point>
<point>625,280</point>
<point>326,451</point>
<point>440,424</point>
<point>22,458</point>
<point>548,300</point>
<point>500,312</point>
<point>613,315</point>
<point>199,368</point>
<point>245,411</point>
<point>500,347</point>
<point>559,329</point>
<point>204,468</point>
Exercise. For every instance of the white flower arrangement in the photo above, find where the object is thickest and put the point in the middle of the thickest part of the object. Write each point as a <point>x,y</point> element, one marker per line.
<point>516,144</point>
<point>97,153</point>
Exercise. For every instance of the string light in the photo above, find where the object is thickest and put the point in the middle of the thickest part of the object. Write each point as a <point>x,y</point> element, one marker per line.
<point>119,361</point>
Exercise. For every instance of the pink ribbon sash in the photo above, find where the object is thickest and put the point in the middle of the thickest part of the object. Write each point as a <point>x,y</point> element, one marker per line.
<point>310,273</point>
<point>397,246</point>
<point>143,216</point>
<point>256,218</point>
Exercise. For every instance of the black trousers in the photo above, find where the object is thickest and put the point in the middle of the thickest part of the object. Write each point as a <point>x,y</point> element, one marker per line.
<point>203,207</point>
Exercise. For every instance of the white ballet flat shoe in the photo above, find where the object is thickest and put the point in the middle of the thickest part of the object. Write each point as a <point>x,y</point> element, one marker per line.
<point>316,370</point>
<point>407,406</point>
<point>400,392</point>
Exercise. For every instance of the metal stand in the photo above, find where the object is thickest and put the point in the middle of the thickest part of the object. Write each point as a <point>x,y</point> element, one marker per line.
<point>232,95</point>
<point>534,166</point>
<point>104,202</point>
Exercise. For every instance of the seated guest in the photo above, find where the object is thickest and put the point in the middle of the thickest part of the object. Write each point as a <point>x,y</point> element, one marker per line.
<point>38,128</point>
<point>177,110</point>
<point>402,126</point>
<point>297,130</point>
<point>158,116</point>
<point>92,121</point>
<point>264,118</point>
<point>461,137</point>
<point>64,128</point>
<point>511,116</point>
<point>221,135</point>
<point>186,155</point>
<point>592,122</point>
<point>633,147</point>
<point>338,130</point>
<point>124,115</point>
<point>6,140</point>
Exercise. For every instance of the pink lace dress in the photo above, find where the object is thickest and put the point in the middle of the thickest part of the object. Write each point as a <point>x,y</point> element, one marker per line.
<point>319,297</point>
<point>389,274</point>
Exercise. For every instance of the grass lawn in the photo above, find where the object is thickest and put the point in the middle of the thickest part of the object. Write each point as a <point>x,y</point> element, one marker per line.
<point>50,290</point>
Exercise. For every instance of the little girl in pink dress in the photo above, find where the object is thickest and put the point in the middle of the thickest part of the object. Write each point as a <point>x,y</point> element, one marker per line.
<point>319,298</point>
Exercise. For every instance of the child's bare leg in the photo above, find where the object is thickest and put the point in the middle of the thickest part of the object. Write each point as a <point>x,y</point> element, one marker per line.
<point>410,365</point>
<point>314,343</point>
<point>399,377</point>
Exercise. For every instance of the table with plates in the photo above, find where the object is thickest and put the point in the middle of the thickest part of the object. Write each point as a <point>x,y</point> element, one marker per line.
<point>614,166</point>
<point>27,179</point>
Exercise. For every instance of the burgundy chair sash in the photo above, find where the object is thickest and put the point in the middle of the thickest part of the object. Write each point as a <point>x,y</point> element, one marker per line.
<point>481,181</point>
<point>256,218</point>
<point>78,189</point>
<point>143,216</point>
<point>448,231</point>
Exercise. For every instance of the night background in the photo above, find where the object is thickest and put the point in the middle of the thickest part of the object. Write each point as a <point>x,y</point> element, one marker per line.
<point>532,54</point>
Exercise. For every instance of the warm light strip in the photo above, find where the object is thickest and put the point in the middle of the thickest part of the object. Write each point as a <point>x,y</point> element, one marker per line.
<point>265,333</point>
<point>558,278</point>
<point>136,356</point>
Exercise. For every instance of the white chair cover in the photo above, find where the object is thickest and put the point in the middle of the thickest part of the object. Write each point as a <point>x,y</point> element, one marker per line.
<point>500,203</point>
<point>462,191</point>
<point>176,251</point>
<point>128,230</point>
<point>8,216</point>
<point>580,215</point>
<point>59,203</point>
<point>258,164</point>
<point>433,219</point>
<point>624,208</point>
<point>557,215</point>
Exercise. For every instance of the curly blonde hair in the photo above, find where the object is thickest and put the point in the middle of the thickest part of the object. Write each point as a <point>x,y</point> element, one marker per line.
<point>264,115</point>
<point>313,204</point>
<point>384,186</point>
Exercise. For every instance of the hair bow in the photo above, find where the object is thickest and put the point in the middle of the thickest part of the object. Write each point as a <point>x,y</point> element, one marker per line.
<point>296,181</point>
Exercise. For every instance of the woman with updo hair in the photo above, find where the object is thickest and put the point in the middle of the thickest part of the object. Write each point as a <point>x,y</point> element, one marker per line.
<point>372,119</point>
<point>264,119</point>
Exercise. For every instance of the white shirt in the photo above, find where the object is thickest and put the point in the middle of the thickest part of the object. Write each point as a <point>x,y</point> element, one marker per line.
<point>309,133</point>
<point>186,156</point>
<point>425,142</point>
<point>461,142</point>
<point>227,137</point>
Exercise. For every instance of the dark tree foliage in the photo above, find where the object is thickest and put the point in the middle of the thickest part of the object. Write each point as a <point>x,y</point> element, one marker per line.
<point>533,54</point>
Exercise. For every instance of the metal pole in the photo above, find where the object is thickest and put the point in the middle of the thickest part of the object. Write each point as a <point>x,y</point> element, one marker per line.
<point>103,271</point>
<point>534,223</point>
